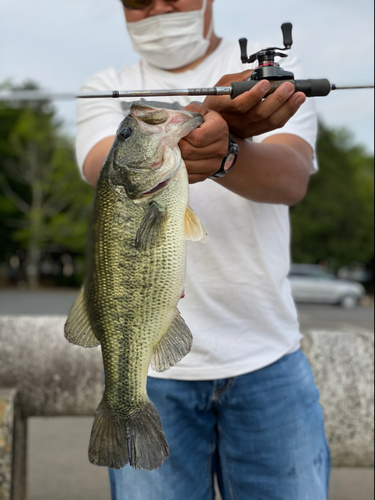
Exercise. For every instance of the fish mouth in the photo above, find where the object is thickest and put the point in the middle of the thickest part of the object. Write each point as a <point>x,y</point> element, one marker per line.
<point>175,122</point>
<point>185,121</point>
<point>168,156</point>
<point>157,188</point>
<point>158,164</point>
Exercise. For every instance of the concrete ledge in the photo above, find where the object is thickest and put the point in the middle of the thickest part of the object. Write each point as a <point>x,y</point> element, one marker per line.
<point>54,378</point>
<point>343,366</point>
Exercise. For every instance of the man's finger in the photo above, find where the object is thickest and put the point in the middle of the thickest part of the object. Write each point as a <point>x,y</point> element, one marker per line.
<point>195,107</point>
<point>214,129</point>
<point>285,112</point>
<point>202,140</point>
<point>214,150</point>
<point>273,102</point>
<point>203,169</point>
<point>246,101</point>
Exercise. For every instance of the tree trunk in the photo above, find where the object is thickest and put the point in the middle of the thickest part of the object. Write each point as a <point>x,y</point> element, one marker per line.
<point>35,219</point>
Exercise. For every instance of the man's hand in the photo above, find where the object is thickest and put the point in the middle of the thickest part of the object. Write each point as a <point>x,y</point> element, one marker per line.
<point>250,114</point>
<point>203,149</point>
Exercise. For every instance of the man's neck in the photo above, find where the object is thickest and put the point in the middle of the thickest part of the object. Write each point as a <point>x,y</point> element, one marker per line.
<point>213,46</point>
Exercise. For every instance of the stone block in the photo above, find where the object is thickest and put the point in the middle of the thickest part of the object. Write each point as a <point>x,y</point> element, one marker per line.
<point>7,414</point>
<point>343,366</point>
<point>53,377</point>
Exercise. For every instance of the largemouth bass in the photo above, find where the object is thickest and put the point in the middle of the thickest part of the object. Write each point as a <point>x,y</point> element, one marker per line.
<point>136,271</point>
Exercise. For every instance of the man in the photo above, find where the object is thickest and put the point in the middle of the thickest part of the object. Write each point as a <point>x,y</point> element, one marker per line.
<point>243,404</point>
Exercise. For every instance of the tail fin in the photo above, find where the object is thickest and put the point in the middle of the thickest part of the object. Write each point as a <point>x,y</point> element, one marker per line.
<point>139,439</point>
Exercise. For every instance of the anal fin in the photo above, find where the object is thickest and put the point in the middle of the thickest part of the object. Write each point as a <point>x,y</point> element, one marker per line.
<point>77,327</point>
<point>173,346</point>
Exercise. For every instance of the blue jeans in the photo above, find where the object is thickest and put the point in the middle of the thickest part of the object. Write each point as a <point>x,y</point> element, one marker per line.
<point>262,434</point>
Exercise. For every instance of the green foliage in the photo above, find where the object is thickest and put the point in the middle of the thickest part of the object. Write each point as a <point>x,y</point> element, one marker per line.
<point>44,205</point>
<point>335,222</point>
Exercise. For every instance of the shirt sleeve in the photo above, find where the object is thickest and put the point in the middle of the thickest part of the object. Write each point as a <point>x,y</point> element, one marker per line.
<point>304,123</point>
<point>97,118</point>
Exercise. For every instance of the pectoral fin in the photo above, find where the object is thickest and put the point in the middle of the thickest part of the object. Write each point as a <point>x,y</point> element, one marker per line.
<point>77,327</point>
<point>173,346</point>
<point>194,229</point>
<point>153,227</point>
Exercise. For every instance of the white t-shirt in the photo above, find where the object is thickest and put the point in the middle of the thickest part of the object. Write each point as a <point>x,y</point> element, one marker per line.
<point>238,301</point>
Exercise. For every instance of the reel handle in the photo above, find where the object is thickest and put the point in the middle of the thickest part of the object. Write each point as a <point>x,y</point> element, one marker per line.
<point>311,88</point>
<point>287,35</point>
<point>243,47</point>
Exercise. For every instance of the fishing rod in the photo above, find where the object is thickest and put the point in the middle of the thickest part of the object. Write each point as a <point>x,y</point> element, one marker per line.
<point>268,69</point>
<point>309,87</point>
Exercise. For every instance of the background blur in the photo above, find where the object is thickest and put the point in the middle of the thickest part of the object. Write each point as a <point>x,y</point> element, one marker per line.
<point>45,206</point>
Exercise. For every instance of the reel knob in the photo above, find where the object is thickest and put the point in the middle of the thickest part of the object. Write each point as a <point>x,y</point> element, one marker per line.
<point>287,34</point>
<point>243,47</point>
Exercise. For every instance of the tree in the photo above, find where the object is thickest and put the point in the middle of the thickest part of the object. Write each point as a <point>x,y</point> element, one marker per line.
<point>335,222</point>
<point>44,201</point>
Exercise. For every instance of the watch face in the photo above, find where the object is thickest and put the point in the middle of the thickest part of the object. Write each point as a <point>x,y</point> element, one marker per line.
<point>229,162</point>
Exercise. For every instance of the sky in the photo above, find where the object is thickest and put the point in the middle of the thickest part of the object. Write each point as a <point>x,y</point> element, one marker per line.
<point>61,44</point>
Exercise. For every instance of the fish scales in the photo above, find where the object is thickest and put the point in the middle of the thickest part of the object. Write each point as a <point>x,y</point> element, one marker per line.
<point>142,289</point>
<point>135,278</point>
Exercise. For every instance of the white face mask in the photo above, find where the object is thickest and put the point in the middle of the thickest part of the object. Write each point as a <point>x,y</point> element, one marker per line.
<point>171,41</point>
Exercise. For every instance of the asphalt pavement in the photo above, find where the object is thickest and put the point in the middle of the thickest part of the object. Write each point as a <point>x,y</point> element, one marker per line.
<point>59,301</point>
<point>58,468</point>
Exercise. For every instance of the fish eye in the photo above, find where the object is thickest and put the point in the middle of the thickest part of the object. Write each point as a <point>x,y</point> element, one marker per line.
<point>125,133</point>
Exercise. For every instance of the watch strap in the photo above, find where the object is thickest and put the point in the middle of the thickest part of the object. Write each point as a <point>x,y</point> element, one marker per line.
<point>229,160</point>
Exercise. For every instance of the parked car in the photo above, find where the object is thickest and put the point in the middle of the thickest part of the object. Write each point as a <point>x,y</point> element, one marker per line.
<point>312,283</point>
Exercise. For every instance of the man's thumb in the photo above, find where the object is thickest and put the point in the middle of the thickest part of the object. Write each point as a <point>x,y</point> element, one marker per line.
<point>196,107</point>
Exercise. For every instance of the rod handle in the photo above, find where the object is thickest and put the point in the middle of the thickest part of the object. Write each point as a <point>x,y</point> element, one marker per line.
<point>311,88</point>
<point>314,88</point>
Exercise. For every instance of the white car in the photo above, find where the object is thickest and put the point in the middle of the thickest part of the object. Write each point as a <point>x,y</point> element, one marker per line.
<point>312,283</point>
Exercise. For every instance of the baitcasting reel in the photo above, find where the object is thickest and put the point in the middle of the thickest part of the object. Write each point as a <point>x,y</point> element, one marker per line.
<point>269,69</point>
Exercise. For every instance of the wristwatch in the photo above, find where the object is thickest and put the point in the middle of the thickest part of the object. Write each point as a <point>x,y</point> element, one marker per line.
<point>229,161</point>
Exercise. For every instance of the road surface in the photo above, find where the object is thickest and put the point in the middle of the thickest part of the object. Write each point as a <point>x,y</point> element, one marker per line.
<point>59,301</point>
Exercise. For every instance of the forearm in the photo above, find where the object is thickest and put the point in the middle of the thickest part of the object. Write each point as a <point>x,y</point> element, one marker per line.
<point>95,159</point>
<point>269,172</point>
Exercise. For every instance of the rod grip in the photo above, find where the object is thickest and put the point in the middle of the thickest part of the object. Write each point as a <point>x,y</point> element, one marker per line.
<point>311,88</point>
<point>314,88</point>
<point>239,88</point>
